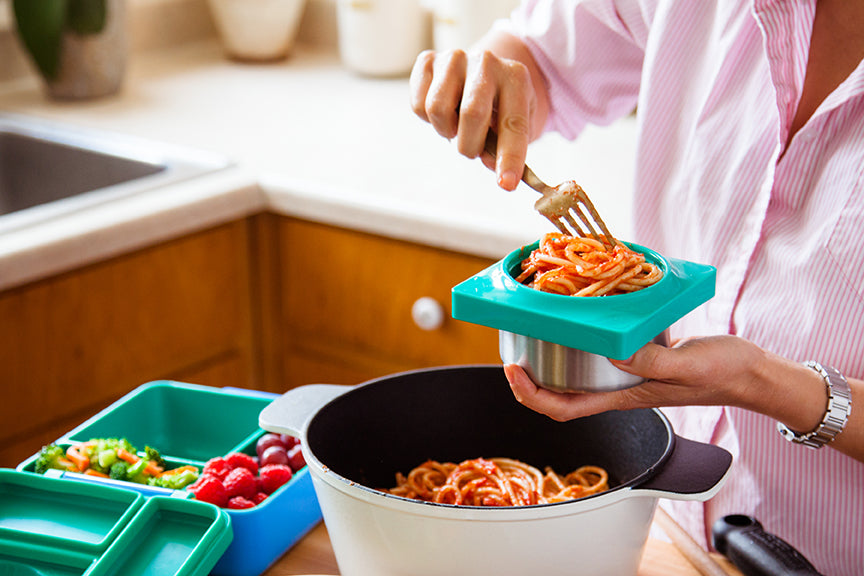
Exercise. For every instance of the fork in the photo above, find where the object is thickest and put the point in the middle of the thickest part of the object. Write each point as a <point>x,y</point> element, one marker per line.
<point>560,203</point>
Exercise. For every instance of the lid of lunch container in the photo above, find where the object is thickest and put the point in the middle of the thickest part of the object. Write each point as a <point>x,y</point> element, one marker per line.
<point>611,326</point>
<point>50,526</point>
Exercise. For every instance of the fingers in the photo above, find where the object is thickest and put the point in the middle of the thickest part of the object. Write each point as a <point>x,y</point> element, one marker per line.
<point>556,405</point>
<point>514,113</point>
<point>462,96</point>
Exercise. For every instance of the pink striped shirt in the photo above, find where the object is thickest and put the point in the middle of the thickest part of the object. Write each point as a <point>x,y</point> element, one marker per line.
<point>717,85</point>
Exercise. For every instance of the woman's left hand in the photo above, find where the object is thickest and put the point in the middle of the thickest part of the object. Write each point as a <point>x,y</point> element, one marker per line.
<point>716,370</point>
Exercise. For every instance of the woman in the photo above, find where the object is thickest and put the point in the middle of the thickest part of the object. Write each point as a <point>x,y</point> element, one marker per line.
<point>750,158</point>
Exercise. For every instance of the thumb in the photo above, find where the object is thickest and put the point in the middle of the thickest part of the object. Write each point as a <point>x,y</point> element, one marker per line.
<point>645,362</point>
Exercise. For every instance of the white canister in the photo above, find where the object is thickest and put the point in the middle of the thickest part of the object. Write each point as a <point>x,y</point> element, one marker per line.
<point>257,30</point>
<point>381,37</point>
<point>460,23</point>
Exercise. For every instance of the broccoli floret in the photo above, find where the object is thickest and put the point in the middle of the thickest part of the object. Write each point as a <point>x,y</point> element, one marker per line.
<point>136,474</point>
<point>49,457</point>
<point>153,455</point>
<point>119,470</point>
<point>103,452</point>
<point>175,481</point>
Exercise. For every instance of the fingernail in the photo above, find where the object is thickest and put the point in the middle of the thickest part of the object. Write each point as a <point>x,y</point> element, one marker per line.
<point>508,180</point>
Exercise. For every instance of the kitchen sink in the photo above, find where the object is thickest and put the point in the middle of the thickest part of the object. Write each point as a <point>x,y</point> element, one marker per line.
<point>47,169</point>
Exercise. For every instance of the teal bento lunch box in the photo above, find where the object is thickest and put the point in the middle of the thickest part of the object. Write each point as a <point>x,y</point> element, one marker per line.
<point>188,424</point>
<point>611,326</point>
<point>52,527</point>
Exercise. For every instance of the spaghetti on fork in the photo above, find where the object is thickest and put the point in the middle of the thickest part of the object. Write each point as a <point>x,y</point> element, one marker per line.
<point>582,266</point>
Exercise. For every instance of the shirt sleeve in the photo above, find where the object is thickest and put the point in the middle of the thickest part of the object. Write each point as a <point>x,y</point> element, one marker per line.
<point>590,53</point>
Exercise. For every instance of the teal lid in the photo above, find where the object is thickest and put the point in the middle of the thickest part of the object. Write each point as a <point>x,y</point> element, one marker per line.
<point>611,326</point>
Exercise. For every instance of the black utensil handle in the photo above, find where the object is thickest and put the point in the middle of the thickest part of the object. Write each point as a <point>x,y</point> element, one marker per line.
<point>756,552</point>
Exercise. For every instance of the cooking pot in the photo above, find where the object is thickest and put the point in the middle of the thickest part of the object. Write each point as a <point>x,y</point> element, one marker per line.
<point>356,438</point>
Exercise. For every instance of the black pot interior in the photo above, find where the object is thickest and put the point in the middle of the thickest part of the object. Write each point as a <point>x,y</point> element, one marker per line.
<point>452,414</point>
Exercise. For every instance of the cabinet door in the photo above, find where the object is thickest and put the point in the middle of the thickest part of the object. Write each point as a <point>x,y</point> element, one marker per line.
<point>71,344</point>
<point>347,301</point>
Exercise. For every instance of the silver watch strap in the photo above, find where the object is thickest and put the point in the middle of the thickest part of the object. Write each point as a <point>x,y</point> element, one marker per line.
<point>836,412</point>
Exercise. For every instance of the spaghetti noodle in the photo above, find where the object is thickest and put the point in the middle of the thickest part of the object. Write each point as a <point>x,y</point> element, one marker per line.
<point>576,266</point>
<point>496,482</point>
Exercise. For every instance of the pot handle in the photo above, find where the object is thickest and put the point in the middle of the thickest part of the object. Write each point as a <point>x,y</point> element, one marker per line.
<point>693,471</point>
<point>291,412</point>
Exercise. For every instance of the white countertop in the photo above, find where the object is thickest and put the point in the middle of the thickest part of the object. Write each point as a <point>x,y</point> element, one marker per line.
<point>306,138</point>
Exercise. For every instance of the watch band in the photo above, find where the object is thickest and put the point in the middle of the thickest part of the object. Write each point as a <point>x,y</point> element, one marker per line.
<point>836,412</point>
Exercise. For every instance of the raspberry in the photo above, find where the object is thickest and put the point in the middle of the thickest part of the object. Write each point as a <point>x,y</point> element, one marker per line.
<point>217,467</point>
<point>273,476</point>
<point>240,460</point>
<point>259,497</point>
<point>211,490</point>
<point>240,482</point>
<point>240,503</point>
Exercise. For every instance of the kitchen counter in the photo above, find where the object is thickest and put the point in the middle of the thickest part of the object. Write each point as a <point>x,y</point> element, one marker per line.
<point>305,138</point>
<point>314,555</point>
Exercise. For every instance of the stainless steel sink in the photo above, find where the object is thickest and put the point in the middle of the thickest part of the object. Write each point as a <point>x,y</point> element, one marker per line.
<point>47,169</point>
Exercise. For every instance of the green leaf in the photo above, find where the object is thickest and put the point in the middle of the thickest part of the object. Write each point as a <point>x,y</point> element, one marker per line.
<point>40,26</point>
<point>87,16</point>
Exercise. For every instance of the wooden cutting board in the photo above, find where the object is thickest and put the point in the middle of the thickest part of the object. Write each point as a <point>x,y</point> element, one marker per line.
<point>314,555</point>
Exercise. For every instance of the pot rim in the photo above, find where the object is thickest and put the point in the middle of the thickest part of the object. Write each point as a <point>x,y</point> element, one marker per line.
<point>335,479</point>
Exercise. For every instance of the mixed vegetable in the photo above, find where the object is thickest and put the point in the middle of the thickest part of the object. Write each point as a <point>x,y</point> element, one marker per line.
<point>115,458</point>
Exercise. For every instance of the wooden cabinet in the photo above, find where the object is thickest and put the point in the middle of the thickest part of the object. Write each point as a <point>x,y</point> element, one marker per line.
<point>268,302</point>
<point>343,302</point>
<point>72,344</point>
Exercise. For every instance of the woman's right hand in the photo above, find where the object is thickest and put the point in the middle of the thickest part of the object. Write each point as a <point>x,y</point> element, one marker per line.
<point>498,86</point>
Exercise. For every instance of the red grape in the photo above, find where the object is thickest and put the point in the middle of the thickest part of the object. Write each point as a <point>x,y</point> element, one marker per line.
<point>289,441</point>
<point>295,458</point>
<point>274,455</point>
<point>266,441</point>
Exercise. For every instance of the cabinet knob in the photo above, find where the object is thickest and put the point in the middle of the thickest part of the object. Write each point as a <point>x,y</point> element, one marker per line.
<point>427,313</point>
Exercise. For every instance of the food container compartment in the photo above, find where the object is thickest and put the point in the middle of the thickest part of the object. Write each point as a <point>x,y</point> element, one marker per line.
<point>168,536</point>
<point>263,533</point>
<point>184,421</point>
<point>51,526</point>
<point>22,559</point>
<point>43,511</point>
<point>189,424</point>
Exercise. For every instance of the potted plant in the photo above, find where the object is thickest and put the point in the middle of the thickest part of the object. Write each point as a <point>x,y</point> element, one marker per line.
<point>78,46</point>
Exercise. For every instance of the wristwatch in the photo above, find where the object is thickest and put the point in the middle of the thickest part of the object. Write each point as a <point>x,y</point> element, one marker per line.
<point>836,412</point>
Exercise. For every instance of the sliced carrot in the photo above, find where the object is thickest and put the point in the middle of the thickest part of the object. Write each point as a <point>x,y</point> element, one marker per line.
<point>81,462</point>
<point>127,456</point>
<point>66,463</point>
<point>152,468</point>
<point>92,472</point>
<point>179,470</point>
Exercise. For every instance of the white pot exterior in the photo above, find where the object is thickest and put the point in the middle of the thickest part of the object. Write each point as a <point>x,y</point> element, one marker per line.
<point>374,535</point>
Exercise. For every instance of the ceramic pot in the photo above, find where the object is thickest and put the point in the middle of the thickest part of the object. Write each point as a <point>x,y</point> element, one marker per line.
<point>355,439</point>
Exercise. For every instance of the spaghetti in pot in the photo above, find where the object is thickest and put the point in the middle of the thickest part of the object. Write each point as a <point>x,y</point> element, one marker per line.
<point>577,266</point>
<point>496,482</point>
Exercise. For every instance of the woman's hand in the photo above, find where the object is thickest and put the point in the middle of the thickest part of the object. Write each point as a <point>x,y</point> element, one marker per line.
<point>718,370</point>
<point>703,371</point>
<point>498,85</point>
